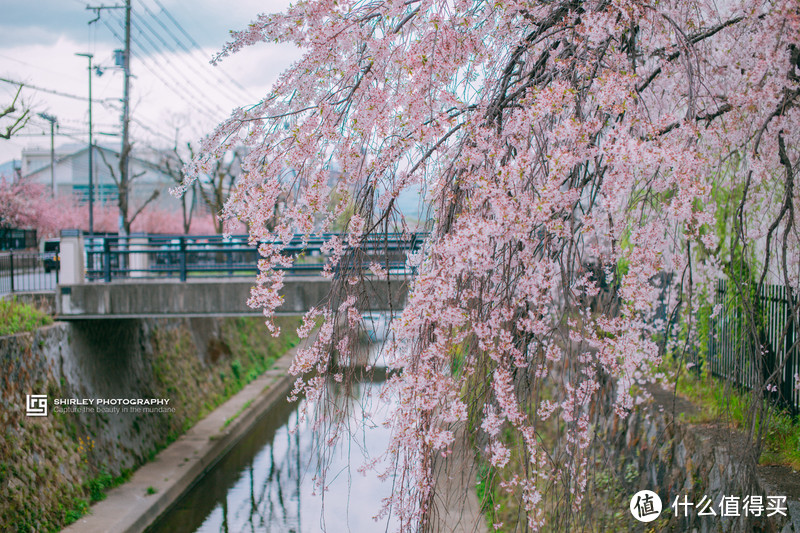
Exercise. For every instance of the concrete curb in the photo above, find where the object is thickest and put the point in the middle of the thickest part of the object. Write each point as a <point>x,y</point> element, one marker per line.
<point>129,509</point>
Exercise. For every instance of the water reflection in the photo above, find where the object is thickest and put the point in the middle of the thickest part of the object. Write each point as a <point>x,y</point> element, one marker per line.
<point>266,482</point>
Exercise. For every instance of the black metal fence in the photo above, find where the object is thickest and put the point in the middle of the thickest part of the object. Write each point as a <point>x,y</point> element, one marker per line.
<point>17,239</point>
<point>739,354</point>
<point>188,256</point>
<point>28,272</point>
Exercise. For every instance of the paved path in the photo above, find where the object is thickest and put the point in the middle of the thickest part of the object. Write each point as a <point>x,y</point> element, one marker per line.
<point>457,505</point>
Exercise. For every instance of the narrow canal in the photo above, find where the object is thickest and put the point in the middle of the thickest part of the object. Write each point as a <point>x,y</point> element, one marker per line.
<point>266,483</point>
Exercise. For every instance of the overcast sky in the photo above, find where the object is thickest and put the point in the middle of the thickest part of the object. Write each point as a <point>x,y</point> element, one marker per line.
<point>174,86</point>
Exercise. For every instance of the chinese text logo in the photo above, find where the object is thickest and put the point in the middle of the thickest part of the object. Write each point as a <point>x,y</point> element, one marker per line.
<point>645,506</point>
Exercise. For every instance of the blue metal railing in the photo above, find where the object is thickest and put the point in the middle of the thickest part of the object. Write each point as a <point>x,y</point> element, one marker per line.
<point>209,256</point>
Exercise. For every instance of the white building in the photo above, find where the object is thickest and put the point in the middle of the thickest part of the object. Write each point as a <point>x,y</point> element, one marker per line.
<point>70,175</point>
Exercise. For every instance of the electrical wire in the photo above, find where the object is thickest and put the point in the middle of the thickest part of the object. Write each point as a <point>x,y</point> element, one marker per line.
<point>102,101</point>
<point>197,46</point>
<point>152,46</point>
<point>177,92</point>
<point>152,38</point>
<point>202,72</point>
<point>224,82</point>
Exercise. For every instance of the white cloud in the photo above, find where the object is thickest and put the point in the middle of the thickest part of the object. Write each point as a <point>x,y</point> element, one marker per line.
<point>169,89</point>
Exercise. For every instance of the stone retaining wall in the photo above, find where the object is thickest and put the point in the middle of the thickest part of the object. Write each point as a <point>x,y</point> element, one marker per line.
<point>52,467</point>
<point>674,458</point>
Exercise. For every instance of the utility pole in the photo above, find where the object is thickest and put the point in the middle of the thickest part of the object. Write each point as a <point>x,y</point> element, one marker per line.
<point>52,120</point>
<point>125,151</point>
<point>124,157</point>
<point>91,150</point>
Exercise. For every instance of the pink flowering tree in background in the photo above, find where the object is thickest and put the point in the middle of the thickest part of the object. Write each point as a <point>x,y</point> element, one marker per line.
<point>25,204</point>
<point>575,154</point>
<point>17,203</point>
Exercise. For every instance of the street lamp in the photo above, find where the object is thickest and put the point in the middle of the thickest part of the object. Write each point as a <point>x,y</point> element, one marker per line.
<point>91,149</point>
<point>52,120</point>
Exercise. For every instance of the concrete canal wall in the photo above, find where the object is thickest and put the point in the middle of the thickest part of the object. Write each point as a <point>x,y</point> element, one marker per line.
<point>52,467</point>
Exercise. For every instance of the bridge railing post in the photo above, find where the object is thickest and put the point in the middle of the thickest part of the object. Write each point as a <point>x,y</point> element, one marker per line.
<point>71,265</point>
<point>140,259</point>
<point>183,258</point>
<point>231,246</point>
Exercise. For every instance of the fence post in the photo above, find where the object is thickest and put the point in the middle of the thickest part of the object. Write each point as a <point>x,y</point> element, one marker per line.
<point>183,258</point>
<point>11,268</point>
<point>787,385</point>
<point>229,255</point>
<point>106,260</point>
<point>71,255</point>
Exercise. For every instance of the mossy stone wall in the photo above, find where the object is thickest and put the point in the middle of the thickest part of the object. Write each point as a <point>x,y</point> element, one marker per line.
<point>51,468</point>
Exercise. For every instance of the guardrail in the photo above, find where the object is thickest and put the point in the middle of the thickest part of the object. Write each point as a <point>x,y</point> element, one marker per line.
<point>212,256</point>
<point>28,272</point>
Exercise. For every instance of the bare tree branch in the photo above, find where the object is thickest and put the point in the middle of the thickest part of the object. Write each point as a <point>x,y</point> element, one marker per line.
<point>19,122</point>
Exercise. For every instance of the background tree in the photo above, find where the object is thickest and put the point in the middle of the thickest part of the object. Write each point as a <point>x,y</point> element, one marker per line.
<point>18,204</point>
<point>125,183</point>
<point>14,118</point>
<point>173,164</point>
<point>573,152</point>
<point>29,205</point>
<point>218,183</point>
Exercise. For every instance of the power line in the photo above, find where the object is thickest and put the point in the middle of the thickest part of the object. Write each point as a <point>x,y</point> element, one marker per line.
<point>161,77</point>
<point>70,135</point>
<point>151,130</point>
<point>203,72</point>
<point>53,91</point>
<point>14,59</point>
<point>187,92</point>
<point>148,67</point>
<point>195,43</point>
<point>193,52</point>
<point>196,92</point>
<point>153,40</point>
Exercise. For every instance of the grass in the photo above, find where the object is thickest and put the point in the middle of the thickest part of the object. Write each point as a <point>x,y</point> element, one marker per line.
<point>241,410</point>
<point>17,317</point>
<point>100,485</point>
<point>717,401</point>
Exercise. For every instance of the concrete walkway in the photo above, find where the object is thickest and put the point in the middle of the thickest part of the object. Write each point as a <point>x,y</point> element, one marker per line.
<point>457,509</point>
<point>130,509</point>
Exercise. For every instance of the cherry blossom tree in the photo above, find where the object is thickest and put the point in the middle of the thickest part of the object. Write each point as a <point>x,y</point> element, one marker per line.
<point>573,152</point>
<point>17,208</point>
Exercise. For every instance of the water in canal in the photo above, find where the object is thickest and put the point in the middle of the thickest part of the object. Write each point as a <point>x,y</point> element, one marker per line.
<point>266,482</point>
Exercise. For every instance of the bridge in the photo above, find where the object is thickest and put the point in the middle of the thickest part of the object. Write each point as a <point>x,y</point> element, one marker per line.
<point>196,276</point>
